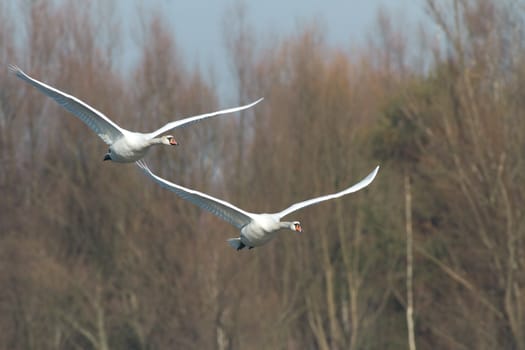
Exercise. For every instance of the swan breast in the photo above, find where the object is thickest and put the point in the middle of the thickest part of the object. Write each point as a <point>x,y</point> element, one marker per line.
<point>262,229</point>
<point>129,148</point>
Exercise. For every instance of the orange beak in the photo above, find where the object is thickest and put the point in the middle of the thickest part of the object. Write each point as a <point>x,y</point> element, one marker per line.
<point>298,228</point>
<point>173,142</point>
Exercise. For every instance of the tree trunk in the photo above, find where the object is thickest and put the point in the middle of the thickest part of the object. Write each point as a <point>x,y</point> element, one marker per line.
<point>335,334</point>
<point>410,257</point>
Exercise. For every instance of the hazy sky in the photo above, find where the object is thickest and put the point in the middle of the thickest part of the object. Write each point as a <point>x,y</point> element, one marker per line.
<point>198,25</point>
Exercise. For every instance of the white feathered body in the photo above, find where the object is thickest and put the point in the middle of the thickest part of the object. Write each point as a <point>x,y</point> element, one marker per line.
<point>256,229</point>
<point>130,148</point>
<point>260,230</point>
<point>125,146</point>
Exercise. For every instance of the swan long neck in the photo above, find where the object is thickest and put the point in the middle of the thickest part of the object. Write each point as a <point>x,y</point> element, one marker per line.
<point>155,141</point>
<point>291,225</point>
<point>163,140</point>
<point>285,225</point>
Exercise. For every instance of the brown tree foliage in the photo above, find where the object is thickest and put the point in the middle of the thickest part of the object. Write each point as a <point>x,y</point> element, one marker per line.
<point>95,256</point>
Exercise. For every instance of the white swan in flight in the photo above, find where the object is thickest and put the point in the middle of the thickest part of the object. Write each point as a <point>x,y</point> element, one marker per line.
<point>256,229</point>
<point>124,146</point>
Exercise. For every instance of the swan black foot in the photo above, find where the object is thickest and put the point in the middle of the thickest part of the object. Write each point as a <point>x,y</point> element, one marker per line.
<point>241,245</point>
<point>250,247</point>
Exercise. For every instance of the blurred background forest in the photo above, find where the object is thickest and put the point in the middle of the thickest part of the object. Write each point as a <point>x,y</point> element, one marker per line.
<point>93,255</point>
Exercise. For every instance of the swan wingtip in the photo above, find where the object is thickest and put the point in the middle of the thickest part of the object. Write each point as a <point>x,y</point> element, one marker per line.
<point>374,173</point>
<point>13,68</point>
<point>141,164</point>
<point>255,102</point>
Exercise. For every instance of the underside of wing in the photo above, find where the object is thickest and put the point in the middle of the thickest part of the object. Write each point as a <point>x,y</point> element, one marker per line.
<point>360,185</point>
<point>224,210</point>
<point>190,120</point>
<point>106,129</point>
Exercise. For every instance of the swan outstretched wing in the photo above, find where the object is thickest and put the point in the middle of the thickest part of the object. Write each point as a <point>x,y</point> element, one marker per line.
<point>190,120</point>
<point>361,184</point>
<point>106,129</point>
<point>224,210</point>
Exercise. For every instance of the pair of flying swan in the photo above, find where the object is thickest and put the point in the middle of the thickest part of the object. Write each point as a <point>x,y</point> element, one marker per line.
<point>128,146</point>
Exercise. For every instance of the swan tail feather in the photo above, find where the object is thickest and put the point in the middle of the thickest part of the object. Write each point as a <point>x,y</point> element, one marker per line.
<point>235,243</point>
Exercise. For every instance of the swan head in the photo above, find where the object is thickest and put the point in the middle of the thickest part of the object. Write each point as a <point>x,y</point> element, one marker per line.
<point>296,226</point>
<point>169,140</point>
